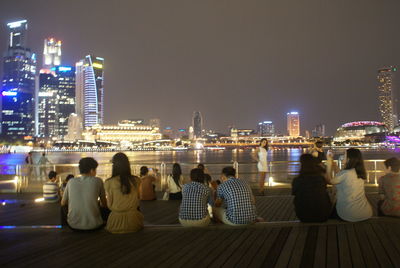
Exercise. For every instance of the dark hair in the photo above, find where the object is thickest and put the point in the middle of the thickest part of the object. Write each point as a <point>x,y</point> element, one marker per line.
<point>319,144</point>
<point>69,176</point>
<point>122,168</point>
<point>52,174</point>
<point>201,166</point>
<point>176,173</point>
<point>143,171</point>
<point>355,160</point>
<point>309,165</point>
<point>266,146</point>
<point>393,163</point>
<point>86,164</point>
<point>43,154</point>
<point>229,171</point>
<point>197,175</point>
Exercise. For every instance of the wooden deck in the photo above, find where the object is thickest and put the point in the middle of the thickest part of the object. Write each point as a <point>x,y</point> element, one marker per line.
<point>281,242</point>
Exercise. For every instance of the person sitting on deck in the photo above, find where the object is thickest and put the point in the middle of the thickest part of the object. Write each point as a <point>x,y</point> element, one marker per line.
<point>311,199</point>
<point>122,191</point>
<point>80,199</point>
<point>352,204</point>
<point>147,187</point>
<point>195,195</point>
<point>207,176</point>
<point>238,198</point>
<point>64,184</point>
<point>389,189</point>
<point>51,189</point>
<point>175,183</point>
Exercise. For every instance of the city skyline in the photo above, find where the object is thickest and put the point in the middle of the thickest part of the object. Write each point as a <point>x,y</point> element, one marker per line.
<point>263,77</point>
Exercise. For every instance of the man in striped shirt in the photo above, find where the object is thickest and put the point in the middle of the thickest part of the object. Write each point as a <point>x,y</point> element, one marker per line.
<point>51,189</point>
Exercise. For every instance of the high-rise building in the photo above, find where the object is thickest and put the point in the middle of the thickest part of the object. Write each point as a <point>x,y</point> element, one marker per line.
<point>56,101</point>
<point>319,131</point>
<point>90,90</point>
<point>266,128</point>
<point>388,101</point>
<point>197,123</point>
<point>18,84</point>
<point>51,53</point>
<point>293,124</point>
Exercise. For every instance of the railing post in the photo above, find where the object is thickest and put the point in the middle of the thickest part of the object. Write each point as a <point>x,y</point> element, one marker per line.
<point>236,167</point>
<point>375,171</point>
<point>163,176</point>
<point>18,178</point>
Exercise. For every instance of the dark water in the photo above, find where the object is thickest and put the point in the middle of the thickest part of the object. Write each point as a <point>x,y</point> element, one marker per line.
<point>208,157</point>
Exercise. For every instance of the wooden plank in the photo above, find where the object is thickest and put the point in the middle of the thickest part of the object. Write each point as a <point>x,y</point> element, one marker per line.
<point>240,251</point>
<point>309,250</point>
<point>367,252</point>
<point>276,250</point>
<point>332,256</point>
<point>320,252</point>
<point>262,235</point>
<point>391,236</point>
<point>379,251</point>
<point>269,242</point>
<point>355,249</point>
<point>284,257</point>
<point>206,250</point>
<point>223,245</point>
<point>297,253</point>
<point>343,245</point>
<point>392,249</point>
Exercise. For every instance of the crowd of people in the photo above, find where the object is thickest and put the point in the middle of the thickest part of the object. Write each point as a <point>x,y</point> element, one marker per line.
<point>89,204</point>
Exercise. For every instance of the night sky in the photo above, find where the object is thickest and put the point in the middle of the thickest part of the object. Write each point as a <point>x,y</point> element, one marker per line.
<point>238,62</point>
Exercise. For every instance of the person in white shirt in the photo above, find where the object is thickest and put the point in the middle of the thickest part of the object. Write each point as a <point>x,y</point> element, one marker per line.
<point>81,198</point>
<point>352,204</point>
<point>175,183</point>
<point>43,162</point>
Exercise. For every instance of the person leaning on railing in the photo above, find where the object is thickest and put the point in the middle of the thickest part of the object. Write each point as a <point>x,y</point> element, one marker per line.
<point>352,204</point>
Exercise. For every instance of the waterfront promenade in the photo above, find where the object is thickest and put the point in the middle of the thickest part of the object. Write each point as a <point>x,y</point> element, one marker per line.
<point>280,242</point>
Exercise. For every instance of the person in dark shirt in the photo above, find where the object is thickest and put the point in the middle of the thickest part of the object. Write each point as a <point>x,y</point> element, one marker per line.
<point>207,176</point>
<point>311,200</point>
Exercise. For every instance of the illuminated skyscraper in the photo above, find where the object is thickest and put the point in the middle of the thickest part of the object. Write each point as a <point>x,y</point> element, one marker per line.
<point>388,96</point>
<point>293,124</point>
<point>51,53</point>
<point>197,125</point>
<point>266,128</point>
<point>90,90</point>
<point>56,101</point>
<point>18,84</point>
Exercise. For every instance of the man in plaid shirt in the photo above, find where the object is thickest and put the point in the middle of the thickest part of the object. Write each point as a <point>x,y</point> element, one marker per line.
<point>236,194</point>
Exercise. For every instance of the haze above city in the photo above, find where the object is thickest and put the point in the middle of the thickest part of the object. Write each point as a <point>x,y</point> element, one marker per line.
<point>238,62</point>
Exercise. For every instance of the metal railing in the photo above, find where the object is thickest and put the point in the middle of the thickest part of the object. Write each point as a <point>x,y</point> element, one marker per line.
<point>30,178</point>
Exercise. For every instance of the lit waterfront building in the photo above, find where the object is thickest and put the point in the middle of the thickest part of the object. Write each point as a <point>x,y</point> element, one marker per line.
<point>155,122</point>
<point>123,132</point>
<point>51,53</point>
<point>319,131</point>
<point>266,128</point>
<point>293,124</point>
<point>235,132</point>
<point>358,130</point>
<point>388,96</point>
<point>18,84</point>
<point>90,90</point>
<point>56,101</point>
<point>197,123</point>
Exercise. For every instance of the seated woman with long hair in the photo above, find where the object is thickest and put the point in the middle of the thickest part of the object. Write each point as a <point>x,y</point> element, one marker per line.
<point>352,204</point>
<point>122,191</point>
<point>311,201</point>
<point>175,183</point>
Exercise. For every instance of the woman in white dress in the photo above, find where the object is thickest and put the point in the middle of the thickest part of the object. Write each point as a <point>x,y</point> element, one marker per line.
<point>352,204</point>
<point>262,164</point>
